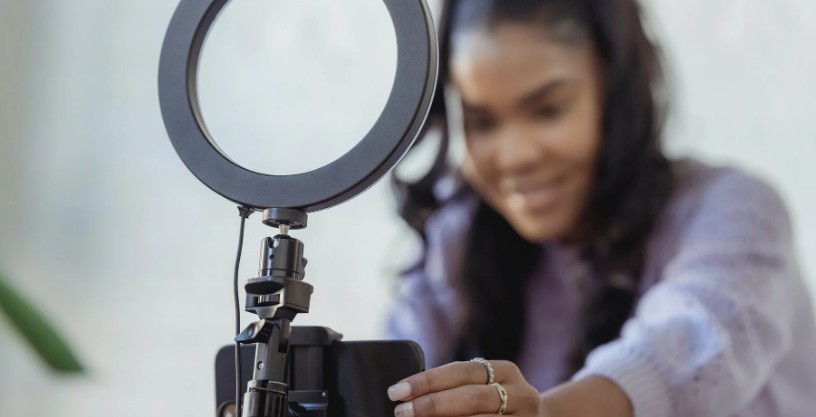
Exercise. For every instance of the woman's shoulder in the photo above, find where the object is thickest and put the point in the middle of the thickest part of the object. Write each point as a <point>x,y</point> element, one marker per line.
<point>703,190</point>
<point>720,205</point>
<point>703,183</point>
<point>455,214</point>
<point>446,232</point>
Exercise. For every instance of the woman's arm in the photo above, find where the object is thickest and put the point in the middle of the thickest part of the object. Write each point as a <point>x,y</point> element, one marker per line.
<point>705,339</point>
<point>593,396</point>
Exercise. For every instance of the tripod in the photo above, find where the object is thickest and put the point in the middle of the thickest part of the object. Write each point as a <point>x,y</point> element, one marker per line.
<point>304,371</point>
<point>276,296</point>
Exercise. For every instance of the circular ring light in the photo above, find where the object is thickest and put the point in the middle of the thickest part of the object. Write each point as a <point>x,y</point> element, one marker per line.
<point>361,167</point>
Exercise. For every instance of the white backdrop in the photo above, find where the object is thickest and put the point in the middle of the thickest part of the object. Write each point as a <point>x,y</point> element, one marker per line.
<point>132,257</point>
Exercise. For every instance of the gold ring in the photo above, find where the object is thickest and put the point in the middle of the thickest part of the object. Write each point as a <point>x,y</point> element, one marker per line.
<point>503,396</point>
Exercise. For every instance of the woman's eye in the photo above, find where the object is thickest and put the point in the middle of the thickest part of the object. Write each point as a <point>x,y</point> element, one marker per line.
<point>550,111</point>
<point>478,124</point>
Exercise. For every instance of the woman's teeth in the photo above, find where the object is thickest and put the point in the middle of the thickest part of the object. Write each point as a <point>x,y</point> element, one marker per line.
<point>534,199</point>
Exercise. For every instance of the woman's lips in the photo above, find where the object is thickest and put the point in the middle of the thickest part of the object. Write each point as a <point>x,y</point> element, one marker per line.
<point>537,198</point>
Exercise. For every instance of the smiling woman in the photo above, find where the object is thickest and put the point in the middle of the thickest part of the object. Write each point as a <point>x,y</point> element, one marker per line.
<point>597,275</point>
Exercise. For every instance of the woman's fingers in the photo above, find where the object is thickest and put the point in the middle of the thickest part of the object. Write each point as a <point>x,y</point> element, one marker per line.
<point>450,376</point>
<point>460,389</point>
<point>461,401</point>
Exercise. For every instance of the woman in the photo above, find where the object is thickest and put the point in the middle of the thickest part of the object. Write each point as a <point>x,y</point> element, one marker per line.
<point>599,277</point>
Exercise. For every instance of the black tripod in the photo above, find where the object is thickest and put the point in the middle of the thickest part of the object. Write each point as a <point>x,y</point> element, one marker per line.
<point>277,295</point>
<point>303,371</point>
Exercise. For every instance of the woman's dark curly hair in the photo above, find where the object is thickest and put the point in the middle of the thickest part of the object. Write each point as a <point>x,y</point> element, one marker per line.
<point>634,181</point>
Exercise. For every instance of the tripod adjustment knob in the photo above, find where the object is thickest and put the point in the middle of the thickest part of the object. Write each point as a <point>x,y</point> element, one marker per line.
<point>257,332</point>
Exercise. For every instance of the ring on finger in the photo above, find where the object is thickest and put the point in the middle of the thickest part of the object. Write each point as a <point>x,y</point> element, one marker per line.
<point>490,373</point>
<point>502,395</point>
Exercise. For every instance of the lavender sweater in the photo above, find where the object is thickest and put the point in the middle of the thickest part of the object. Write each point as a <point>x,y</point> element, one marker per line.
<point>723,327</point>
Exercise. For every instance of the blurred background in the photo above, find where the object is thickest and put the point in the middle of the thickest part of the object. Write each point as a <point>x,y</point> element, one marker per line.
<point>131,258</point>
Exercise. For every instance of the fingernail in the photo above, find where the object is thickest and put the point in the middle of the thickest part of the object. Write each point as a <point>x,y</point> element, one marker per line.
<point>399,391</point>
<point>404,409</point>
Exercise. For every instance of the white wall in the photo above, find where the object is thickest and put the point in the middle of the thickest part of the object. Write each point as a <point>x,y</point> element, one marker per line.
<point>132,257</point>
<point>744,74</point>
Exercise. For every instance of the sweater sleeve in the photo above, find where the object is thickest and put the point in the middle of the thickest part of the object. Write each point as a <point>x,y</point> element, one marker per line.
<point>427,308</point>
<point>418,316</point>
<point>704,340</point>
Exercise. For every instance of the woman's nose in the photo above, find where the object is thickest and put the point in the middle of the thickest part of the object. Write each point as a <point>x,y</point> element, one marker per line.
<point>517,151</point>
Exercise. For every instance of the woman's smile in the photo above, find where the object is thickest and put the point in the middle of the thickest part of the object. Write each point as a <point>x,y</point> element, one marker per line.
<point>535,197</point>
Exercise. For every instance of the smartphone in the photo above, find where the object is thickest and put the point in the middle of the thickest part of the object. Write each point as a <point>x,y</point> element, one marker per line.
<point>355,375</point>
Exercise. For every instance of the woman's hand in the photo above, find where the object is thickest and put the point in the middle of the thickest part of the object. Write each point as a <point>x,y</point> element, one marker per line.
<point>460,389</point>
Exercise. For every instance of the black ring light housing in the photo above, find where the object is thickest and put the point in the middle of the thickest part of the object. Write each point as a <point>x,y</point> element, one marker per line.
<point>381,148</point>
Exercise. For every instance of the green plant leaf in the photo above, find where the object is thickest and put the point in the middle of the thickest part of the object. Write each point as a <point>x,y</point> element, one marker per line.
<point>36,330</point>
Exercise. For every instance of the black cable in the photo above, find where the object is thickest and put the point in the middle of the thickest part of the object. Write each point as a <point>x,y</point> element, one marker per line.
<point>244,212</point>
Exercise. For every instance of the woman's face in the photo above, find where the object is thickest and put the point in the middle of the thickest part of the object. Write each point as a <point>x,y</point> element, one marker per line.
<point>532,110</point>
